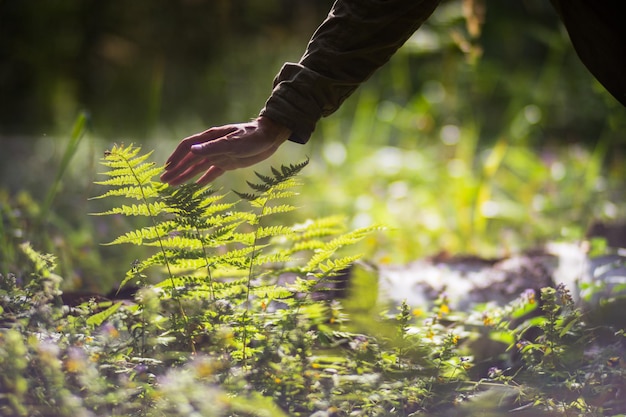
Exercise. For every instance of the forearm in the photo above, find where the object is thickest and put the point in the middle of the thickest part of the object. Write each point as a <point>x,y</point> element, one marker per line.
<point>356,39</point>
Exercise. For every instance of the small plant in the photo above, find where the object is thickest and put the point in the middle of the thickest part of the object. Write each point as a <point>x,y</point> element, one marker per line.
<point>236,314</point>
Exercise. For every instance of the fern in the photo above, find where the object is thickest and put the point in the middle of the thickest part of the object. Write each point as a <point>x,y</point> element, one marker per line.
<point>221,252</point>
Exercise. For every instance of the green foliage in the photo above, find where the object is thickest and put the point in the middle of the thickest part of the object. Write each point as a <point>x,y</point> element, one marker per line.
<point>236,314</point>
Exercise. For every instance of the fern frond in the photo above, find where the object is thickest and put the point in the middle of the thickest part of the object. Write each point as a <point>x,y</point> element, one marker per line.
<point>151,209</point>
<point>247,238</point>
<point>182,243</point>
<point>267,182</point>
<point>271,292</point>
<point>273,258</point>
<point>231,291</point>
<point>120,154</point>
<point>276,194</point>
<point>134,192</point>
<point>214,209</point>
<point>237,257</point>
<point>263,186</point>
<point>273,231</point>
<point>246,196</point>
<point>143,171</point>
<point>285,184</point>
<point>307,245</point>
<point>44,263</point>
<point>190,263</point>
<point>282,208</point>
<point>333,266</point>
<point>143,236</point>
<point>327,251</point>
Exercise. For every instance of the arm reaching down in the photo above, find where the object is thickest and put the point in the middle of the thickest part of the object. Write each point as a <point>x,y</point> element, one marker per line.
<point>357,37</point>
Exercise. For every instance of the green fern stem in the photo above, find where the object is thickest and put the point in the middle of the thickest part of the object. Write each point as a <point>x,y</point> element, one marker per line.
<point>152,216</point>
<point>206,260</point>
<point>253,256</point>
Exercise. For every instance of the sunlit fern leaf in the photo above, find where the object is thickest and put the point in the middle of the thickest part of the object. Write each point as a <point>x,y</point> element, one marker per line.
<point>140,173</point>
<point>214,209</point>
<point>279,209</point>
<point>179,281</point>
<point>306,245</point>
<point>284,194</point>
<point>151,209</point>
<point>44,263</point>
<point>272,258</point>
<point>180,242</point>
<point>325,226</point>
<point>272,231</point>
<point>286,184</point>
<point>246,238</point>
<point>329,249</point>
<point>137,193</point>
<point>223,235</point>
<point>334,266</point>
<point>272,292</point>
<point>119,154</point>
<point>142,236</point>
<point>123,177</point>
<point>302,286</point>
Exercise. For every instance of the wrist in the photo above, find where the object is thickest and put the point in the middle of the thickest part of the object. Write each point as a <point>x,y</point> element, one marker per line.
<point>274,128</point>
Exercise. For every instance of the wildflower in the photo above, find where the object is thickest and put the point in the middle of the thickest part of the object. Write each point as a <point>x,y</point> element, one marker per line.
<point>530,296</point>
<point>359,344</point>
<point>443,310</point>
<point>109,330</point>
<point>466,362</point>
<point>453,339</point>
<point>494,372</point>
<point>75,360</point>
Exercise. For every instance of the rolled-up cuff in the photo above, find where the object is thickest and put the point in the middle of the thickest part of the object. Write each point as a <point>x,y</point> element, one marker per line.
<point>292,103</point>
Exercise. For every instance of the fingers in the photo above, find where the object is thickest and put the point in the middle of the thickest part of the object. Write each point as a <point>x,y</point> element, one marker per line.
<point>185,145</point>
<point>186,172</point>
<point>217,150</point>
<point>212,167</point>
<point>210,175</point>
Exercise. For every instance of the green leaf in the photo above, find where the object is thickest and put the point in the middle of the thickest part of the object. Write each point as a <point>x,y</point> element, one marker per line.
<point>99,318</point>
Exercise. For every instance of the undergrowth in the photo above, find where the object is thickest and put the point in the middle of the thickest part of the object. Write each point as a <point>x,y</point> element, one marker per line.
<point>235,314</point>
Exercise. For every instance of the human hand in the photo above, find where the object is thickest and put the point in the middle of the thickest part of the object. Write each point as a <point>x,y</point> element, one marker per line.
<point>222,149</point>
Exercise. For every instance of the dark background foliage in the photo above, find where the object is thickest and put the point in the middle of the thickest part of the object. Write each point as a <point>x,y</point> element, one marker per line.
<point>139,65</point>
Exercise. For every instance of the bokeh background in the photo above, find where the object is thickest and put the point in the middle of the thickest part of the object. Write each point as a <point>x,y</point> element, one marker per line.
<point>484,134</point>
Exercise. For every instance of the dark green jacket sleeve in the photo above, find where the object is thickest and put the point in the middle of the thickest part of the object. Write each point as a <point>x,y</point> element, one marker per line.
<point>597,29</point>
<point>357,37</point>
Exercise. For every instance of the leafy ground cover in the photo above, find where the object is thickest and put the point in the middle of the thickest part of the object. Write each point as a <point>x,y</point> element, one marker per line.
<point>232,312</point>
